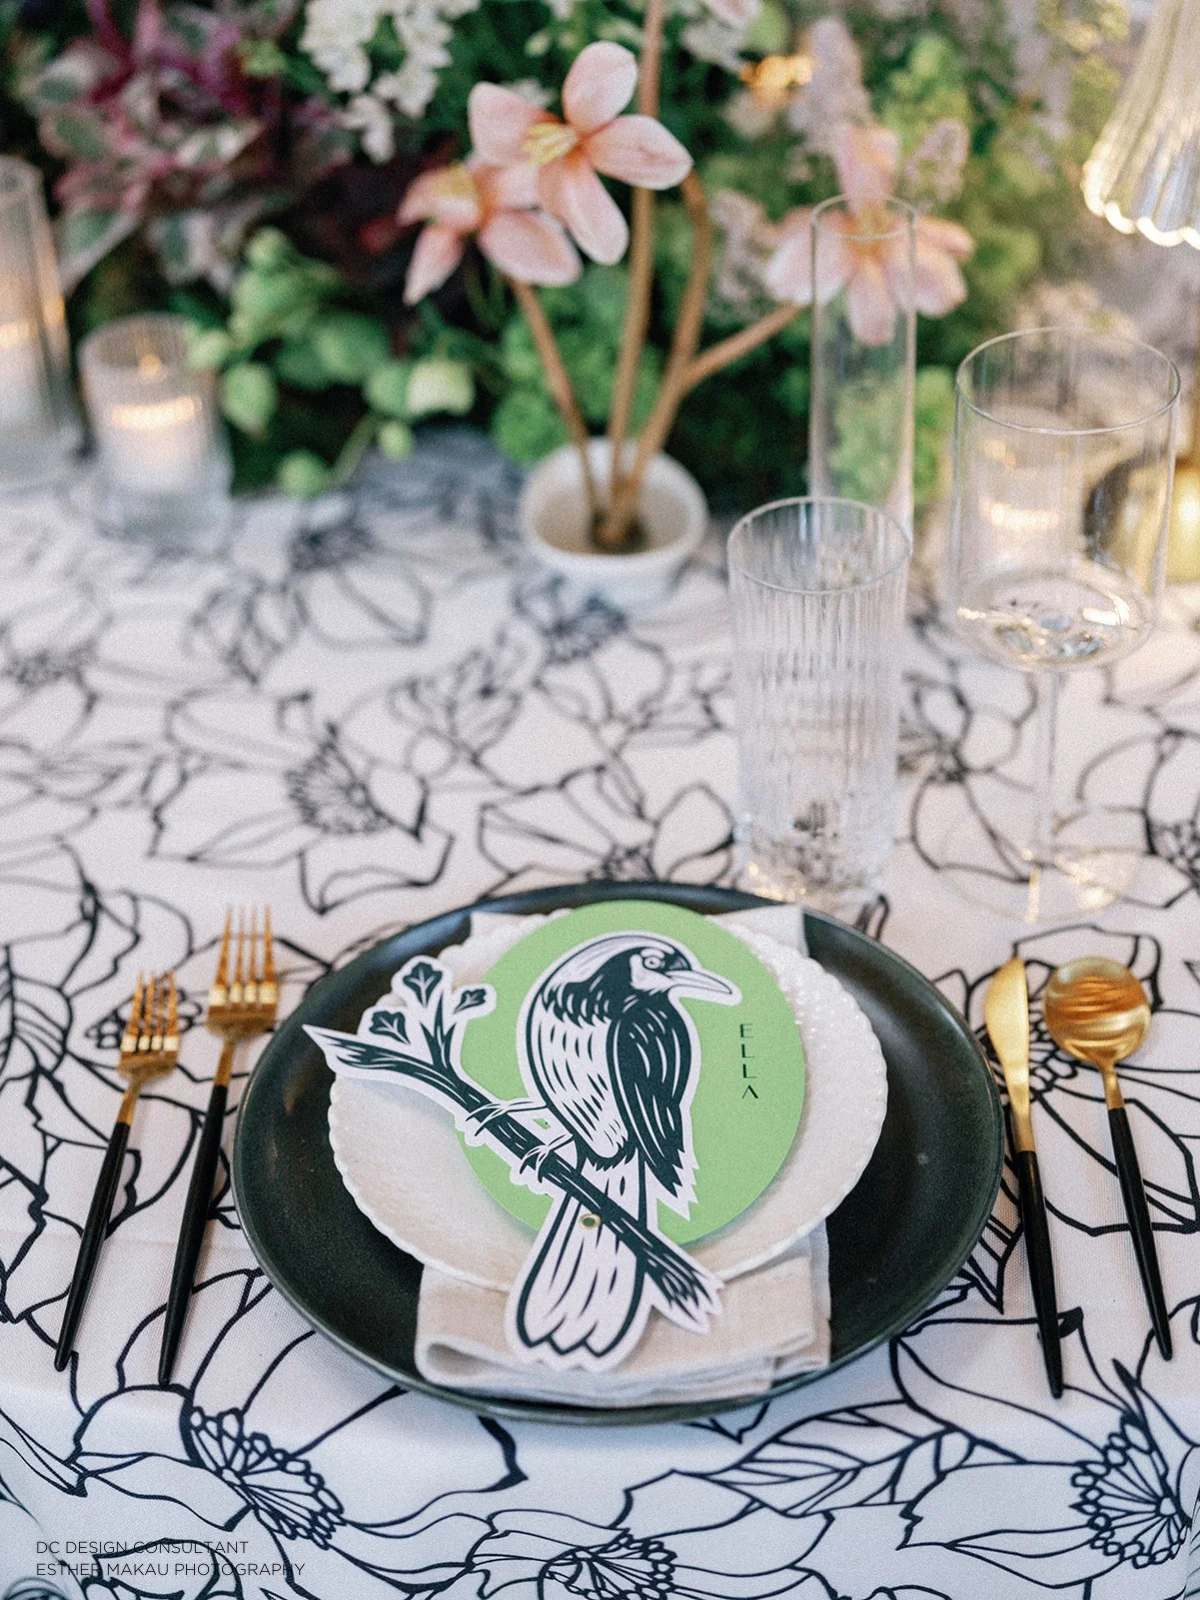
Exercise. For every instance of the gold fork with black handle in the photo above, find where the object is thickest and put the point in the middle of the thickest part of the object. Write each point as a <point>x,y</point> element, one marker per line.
<point>242,1002</point>
<point>149,1048</point>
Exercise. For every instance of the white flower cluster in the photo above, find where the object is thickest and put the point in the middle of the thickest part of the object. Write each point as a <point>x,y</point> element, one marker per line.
<point>1075,305</point>
<point>933,174</point>
<point>716,29</point>
<point>835,94</point>
<point>748,239</point>
<point>336,35</point>
<point>712,39</point>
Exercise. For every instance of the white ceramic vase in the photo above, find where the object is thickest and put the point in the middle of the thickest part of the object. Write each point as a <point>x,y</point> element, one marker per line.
<point>554,524</point>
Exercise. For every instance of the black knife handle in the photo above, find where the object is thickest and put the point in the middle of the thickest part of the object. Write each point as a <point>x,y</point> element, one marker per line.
<point>1134,1194</point>
<point>191,1230</point>
<point>89,1245</point>
<point>1041,1264</point>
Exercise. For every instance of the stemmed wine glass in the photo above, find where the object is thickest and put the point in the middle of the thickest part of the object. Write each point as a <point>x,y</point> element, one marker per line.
<point>1063,460</point>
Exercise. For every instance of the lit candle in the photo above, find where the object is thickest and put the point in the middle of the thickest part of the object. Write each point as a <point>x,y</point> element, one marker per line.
<point>23,395</point>
<point>162,455</point>
<point>159,445</point>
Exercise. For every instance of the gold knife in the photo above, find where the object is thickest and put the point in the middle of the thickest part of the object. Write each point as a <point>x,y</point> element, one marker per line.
<point>1006,1011</point>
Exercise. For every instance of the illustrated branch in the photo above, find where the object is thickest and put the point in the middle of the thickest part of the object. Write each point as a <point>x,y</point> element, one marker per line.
<point>680,1280</point>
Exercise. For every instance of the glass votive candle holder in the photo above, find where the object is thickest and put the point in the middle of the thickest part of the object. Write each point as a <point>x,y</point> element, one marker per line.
<point>39,425</point>
<point>164,468</point>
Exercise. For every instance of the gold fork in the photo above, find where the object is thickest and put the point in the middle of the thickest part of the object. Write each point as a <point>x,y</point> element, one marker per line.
<point>239,1006</point>
<point>149,1048</point>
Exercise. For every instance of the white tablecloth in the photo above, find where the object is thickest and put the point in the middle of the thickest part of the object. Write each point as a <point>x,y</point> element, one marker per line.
<point>369,711</point>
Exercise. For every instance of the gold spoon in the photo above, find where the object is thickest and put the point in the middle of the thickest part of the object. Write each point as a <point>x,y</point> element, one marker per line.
<point>1097,1011</point>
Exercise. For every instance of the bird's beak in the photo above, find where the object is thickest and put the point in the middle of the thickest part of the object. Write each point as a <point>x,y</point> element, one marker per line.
<point>704,985</point>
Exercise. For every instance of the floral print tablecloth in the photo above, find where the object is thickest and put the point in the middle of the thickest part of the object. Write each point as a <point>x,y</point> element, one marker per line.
<point>370,710</point>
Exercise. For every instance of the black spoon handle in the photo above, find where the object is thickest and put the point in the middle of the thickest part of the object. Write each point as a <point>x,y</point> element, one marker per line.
<point>1134,1194</point>
<point>1041,1264</point>
<point>191,1231</point>
<point>89,1245</point>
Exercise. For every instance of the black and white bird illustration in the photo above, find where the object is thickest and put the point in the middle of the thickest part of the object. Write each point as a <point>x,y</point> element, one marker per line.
<point>612,1054</point>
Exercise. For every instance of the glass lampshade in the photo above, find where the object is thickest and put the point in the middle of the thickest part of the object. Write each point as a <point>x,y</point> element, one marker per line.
<point>1144,173</point>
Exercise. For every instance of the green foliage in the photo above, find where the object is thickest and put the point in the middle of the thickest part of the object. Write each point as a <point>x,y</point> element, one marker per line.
<point>349,345</point>
<point>313,369</point>
<point>438,385</point>
<point>209,347</point>
<point>865,428</point>
<point>303,473</point>
<point>932,84</point>
<point>933,417</point>
<point>307,381</point>
<point>387,388</point>
<point>587,318</point>
<point>249,396</point>
<point>297,363</point>
<point>527,426</point>
<point>396,440</point>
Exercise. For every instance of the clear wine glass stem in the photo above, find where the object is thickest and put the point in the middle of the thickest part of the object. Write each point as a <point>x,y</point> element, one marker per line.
<point>1045,816</point>
<point>1063,457</point>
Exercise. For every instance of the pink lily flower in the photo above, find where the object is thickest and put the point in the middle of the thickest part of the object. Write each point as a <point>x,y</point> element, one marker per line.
<point>589,138</point>
<point>496,204</point>
<point>860,255</point>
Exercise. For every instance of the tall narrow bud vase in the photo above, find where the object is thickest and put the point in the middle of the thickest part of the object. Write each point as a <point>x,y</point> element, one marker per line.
<point>863,355</point>
<point>39,425</point>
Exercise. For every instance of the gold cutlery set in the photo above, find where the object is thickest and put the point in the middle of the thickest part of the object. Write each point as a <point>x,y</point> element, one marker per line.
<point>1097,1011</point>
<point>242,1002</point>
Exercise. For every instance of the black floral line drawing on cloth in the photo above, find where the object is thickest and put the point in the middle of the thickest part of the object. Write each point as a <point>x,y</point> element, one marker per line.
<point>1153,778</point>
<point>354,824</point>
<point>373,711</point>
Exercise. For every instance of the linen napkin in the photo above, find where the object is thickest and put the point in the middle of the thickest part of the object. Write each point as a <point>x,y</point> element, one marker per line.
<point>774,1321</point>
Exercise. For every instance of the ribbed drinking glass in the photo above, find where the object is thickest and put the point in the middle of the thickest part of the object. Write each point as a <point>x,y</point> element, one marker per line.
<point>818,589</point>
<point>1144,173</point>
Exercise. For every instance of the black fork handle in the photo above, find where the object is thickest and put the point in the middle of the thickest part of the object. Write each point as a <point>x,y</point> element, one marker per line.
<point>89,1245</point>
<point>191,1231</point>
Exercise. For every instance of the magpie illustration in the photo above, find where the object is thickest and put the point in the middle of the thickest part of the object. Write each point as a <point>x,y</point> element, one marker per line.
<point>608,1047</point>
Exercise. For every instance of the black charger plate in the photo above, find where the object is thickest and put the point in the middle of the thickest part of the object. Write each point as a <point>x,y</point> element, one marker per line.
<point>894,1242</point>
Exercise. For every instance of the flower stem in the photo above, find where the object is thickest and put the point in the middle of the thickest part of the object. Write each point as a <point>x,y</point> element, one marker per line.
<point>688,325</point>
<point>674,390</point>
<point>634,327</point>
<point>559,383</point>
<point>641,255</point>
<point>724,354</point>
<point>650,66</point>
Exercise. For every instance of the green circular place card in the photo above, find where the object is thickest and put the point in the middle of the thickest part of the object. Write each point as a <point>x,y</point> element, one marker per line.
<point>746,1107</point>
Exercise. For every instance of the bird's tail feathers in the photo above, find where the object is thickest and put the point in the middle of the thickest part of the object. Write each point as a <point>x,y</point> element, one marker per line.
<point>581,1301</point>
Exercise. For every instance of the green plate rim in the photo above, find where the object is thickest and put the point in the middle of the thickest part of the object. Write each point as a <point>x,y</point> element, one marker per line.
<point>450,927</point>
